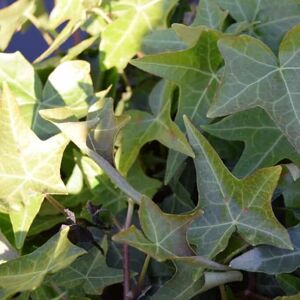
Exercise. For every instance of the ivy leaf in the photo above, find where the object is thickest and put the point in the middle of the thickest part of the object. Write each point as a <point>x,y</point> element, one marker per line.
<point>210,14</point>
<point>28,272</point>
<point>81,134</point>
<point>265,145</point>
<point>90,271</point>
<point>289,283</point>
<point>122,38</point>
<point>146,127</point>
<point>194,70</point>
<point>30,168</point>
<point>254,77</point>
<point>7,252</point>
<point>12,18</point>
<point>190,279</point>
<point>231,204</point>
<point>264,19</point>
<point>163,236</point>
<point>271,260</point>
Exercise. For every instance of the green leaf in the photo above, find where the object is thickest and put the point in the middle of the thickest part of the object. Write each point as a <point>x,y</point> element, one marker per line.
<point>12,18</point>
<point>90,271</point>
<point>28,272</point>
<point>289,283</point>
<point>30,168</point>
<point>146,127</point>
<point>122,38</point>
<point>268,20</point>
<point>195,72</point>
<point>265,145</point>
<point>190,279</point>
<point>162,40</point>
<point>7,252</point>
<point>163,236</point>
<point>295,297</point>
<point>262,81</point>
<point>79,134</point>
<point>231,204</point>
<point>210,14</point>
<point>271,260</point>
<point>23,81</point>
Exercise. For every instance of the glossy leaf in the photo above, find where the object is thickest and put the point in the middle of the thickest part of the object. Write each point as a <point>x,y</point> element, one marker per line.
<point>265,145</point>
<point>122,38</point>
<point>146,127</point>
<point>30,168</point>
<point>195,71</point>
<point>271,260</point>
<point>229,205</point>
<point>163,236</point>
<point>263,81</point>
<point>28,272</point>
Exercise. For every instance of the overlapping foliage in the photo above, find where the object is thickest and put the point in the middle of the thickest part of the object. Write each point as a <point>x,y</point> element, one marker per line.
<point>157,158</point>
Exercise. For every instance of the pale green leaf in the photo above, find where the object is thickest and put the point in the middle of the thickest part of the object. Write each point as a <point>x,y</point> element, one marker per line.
<point>28,272</point>
<point>231,204</point>
<point>265,145</point>
<point>122,38</point>
<point>254,76</point>
<point>269,259</point>
<point>29,169</point>
<point>163,236</point>
<point>195,71</point>
<point>12,18</point>
<point>7,251</point>
<point>146,127</point>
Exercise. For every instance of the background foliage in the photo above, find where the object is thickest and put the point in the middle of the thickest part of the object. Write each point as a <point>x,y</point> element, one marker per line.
<point>158,157</point>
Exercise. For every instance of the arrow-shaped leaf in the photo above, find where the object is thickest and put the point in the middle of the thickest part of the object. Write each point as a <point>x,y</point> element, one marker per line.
<point>231,204</point>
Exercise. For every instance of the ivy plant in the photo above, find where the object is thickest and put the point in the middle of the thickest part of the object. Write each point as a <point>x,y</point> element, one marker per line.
<point>158,157</point>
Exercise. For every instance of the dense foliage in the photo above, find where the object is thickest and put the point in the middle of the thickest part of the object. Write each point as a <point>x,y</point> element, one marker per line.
<point>157,158</point>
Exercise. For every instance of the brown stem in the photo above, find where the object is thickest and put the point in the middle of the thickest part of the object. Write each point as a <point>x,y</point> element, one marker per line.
<point>56,204</point>
<point>126,271</point>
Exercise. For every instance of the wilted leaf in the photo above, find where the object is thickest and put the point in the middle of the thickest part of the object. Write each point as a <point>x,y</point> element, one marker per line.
<point>195,71</point>
<point>231,204</point>
<point>163,236</point>
<point>28,272</point>
<point>271,260</point>
<point>146,127</point>
<point>255,77</point>
<point>29,169</point>
<point>265,145</point>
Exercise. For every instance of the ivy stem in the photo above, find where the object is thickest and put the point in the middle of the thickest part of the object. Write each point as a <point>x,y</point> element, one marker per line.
<point>56,204</point>
<point>126,270</point>
<point>223,292</point>
<point>142,276</point>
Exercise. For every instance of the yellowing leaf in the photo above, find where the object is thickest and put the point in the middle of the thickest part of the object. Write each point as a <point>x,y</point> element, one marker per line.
<point>29,167</point>
<point>231,204</point>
